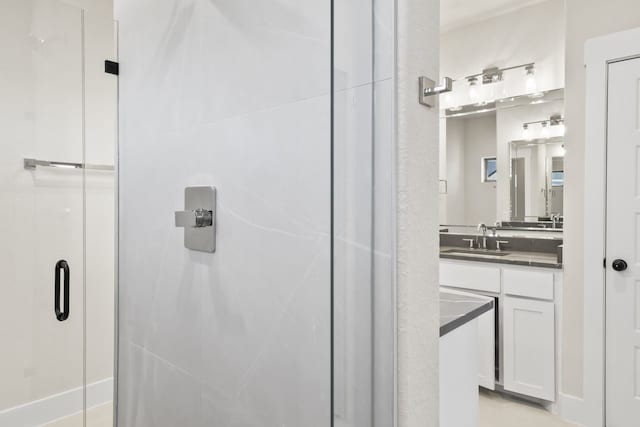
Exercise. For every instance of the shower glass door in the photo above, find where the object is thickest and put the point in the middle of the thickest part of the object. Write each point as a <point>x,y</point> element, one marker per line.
<point>42,210</point>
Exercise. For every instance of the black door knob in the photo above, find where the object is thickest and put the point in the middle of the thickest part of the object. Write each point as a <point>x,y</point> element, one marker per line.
<point>619,265</point>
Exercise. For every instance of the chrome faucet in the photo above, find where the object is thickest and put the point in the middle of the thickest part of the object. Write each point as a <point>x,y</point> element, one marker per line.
<point>555,218</point>
<point>483,228</point>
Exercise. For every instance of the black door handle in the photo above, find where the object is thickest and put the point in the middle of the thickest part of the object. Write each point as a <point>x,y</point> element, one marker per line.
<point>61,315</point>
<point>619,265</point>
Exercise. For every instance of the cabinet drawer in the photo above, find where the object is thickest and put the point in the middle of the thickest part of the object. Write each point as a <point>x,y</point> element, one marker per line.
<point>465,276</point>
<point>526,283</point>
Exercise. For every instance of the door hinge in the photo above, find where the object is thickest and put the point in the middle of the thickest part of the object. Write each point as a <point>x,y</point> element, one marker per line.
<point>111,67</point>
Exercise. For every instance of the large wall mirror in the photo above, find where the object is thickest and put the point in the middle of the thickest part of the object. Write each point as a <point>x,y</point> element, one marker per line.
<point>503,160</point>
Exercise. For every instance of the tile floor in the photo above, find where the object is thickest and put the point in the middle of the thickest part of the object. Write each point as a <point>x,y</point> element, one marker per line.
<point>497,410</point>
<point>99,416</point>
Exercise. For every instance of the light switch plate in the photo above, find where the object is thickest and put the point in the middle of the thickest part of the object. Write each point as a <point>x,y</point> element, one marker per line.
<point>200,238</point>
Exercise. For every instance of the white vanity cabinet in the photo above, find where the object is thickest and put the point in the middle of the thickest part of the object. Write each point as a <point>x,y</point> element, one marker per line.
<point>527,301</point>
<point>529,347</point>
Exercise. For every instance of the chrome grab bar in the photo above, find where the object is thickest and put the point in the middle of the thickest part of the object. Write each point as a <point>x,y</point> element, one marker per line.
<point>33,163</point>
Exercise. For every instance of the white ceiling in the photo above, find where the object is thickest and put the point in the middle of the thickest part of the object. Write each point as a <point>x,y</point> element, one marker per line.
<point>457,13</point>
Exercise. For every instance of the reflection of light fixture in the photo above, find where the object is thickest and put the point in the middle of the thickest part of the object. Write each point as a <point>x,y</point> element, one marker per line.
<point>558,120</point>
<point>491,75</point>
<point>561,129</point>
<point>473,88</point>
<point>532,84</point>
<point>455,109</point>
<point>555,123</point>
<point>544,133</point>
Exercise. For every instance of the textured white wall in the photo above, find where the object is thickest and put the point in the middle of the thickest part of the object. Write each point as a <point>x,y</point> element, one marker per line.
<point>417,215</point>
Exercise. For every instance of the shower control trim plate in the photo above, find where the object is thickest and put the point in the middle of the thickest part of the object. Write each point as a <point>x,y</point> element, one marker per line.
<point>198,219</point>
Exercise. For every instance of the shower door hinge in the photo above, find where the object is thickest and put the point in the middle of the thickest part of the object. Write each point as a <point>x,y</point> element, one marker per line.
<point>111,67</point>
<point>427,88</point>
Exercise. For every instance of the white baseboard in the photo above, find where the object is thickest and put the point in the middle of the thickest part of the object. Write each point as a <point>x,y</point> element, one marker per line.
<point>57,406</point>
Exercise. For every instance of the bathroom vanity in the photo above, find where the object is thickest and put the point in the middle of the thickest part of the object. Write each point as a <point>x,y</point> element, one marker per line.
<point>517,343</point>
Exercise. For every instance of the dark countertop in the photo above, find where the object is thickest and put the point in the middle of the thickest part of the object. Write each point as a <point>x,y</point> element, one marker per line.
<point>529,259</point>
<point>457,310</point>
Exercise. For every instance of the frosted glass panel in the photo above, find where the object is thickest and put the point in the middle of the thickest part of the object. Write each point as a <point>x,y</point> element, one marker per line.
<point>41,210</point>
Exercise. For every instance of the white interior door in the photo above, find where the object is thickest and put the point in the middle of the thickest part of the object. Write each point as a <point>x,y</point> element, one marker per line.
<point>623,245</point>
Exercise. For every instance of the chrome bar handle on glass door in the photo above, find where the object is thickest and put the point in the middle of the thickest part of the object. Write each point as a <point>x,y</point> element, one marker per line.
<point>61,266</point>
<point>32,164</point>
<point>428,88</point>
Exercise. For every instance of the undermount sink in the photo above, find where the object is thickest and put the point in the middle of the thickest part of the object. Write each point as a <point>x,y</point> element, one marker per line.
<point>475,252</point>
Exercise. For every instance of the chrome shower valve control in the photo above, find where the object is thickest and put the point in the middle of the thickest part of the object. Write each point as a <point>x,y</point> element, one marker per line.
<point>198,219</point>
<point>195,218</point>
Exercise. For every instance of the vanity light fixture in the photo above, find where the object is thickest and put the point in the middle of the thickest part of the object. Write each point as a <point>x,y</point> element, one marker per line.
<point>526,133</point>
<point>473,88</point>
<point>492,75</point>
<point>558,120</point>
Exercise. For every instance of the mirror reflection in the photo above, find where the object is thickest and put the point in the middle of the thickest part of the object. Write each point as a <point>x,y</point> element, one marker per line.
<point>502,162</point>
<point>537,179</point>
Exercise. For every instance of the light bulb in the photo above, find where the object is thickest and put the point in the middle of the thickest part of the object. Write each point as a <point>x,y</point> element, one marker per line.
<point>474,94</point>
<point>561,129</point>
<point>526,133</point>
<point>544,133</point>
<point>532,84</point>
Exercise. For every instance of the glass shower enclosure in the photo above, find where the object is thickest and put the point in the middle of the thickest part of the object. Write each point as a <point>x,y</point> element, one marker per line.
<point>57,186</point>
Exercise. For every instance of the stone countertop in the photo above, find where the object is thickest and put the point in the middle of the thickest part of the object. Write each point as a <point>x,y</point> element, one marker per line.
<point>530,259</point>
<point>456,310</point>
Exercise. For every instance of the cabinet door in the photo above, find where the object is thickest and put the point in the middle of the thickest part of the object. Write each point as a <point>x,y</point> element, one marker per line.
<point>487,350</point>
<point>529,347</point>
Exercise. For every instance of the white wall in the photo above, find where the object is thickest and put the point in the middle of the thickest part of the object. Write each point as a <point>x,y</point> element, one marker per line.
<point>480,197</point>
<point>584,19</point>
<point>470,201</point>
<point>455,175</point>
